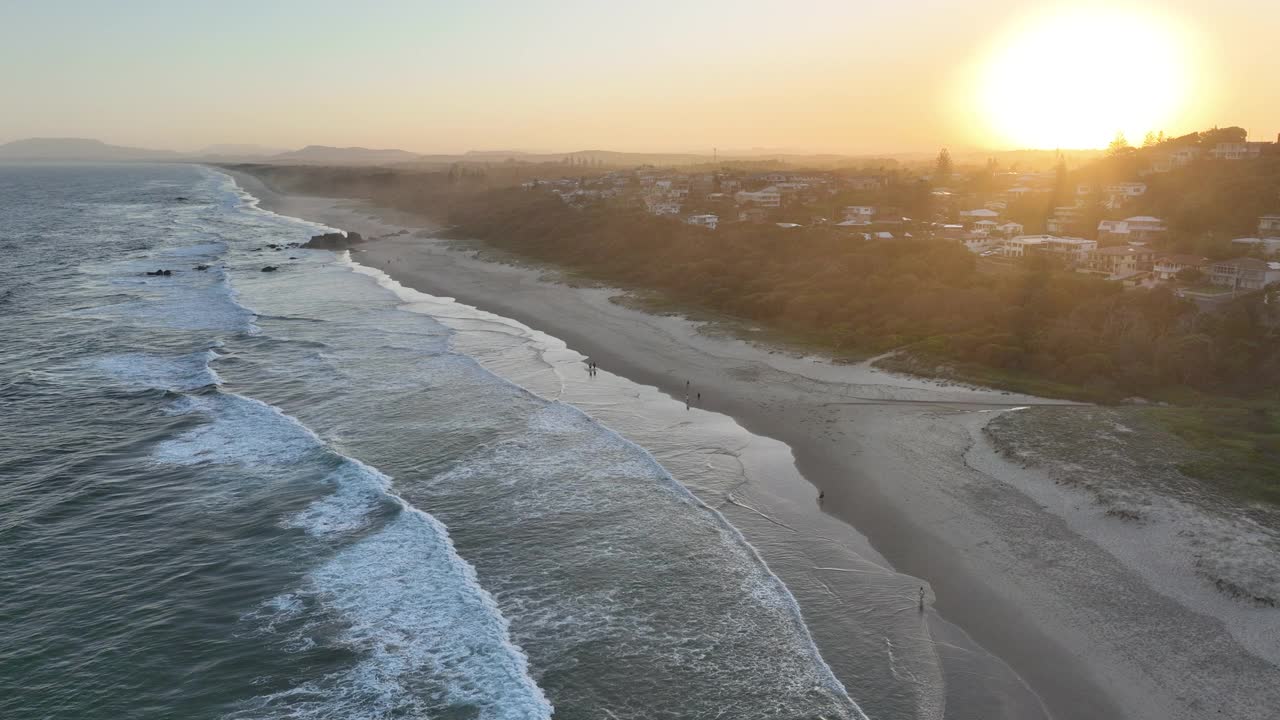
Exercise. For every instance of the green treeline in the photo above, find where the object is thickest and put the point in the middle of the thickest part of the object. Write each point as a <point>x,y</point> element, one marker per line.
<point>859,298</point>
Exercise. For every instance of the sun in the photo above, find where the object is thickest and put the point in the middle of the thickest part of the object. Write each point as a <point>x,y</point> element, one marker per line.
<point>1074,78</point>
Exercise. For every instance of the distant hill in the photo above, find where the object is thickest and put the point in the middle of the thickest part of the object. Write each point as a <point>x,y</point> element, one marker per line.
<point>323,154</point>
<point>78,149</point>
<point>239,150</point>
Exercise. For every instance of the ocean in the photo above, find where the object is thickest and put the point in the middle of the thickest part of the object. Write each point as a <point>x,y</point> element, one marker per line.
<point>312,493</point>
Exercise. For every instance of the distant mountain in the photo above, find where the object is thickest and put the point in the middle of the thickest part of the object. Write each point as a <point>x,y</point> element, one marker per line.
<point>344,156</point>
<point>78,149</point>
<point>239,150</point>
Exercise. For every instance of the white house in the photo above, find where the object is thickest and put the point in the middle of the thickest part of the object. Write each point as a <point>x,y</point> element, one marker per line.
<point>768,197</point>
<point>707,221</point>
<point>1167,267</point>
<point>862,213</point>
<point>1072,249</point>
<point>1269,226</point>
<point>1237,151</point>
<point>1137,229</point>
<point>1243,273</point>
<point>1267,246</point>
<point>664,207</point>
<point>978,214</point>
<point>1010,229</point>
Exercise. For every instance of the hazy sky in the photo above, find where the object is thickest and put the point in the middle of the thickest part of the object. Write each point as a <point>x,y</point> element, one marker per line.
<point>846,76</point>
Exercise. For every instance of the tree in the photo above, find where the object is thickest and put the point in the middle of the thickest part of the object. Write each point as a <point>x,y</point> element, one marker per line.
<point>1119,146</point>
<point>943,169</point>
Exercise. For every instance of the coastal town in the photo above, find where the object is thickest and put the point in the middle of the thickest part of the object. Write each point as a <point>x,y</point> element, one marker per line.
<point>1005,216</point>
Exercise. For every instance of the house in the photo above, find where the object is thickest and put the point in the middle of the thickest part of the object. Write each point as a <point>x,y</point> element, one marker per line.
<point>972,216</point>
<point>754,215</point>
<point>861,213</point>
<point>1018,192</point>
<point>1243,273</point>
<point>768,197</point>
<point>1064,219</point>
<point>1173,159</point>
<point>1069,249</point>
<point>1022,246</point>
<point>706,221</point>
<point>1266,246</point>
<point>1120,194</point>
<point>976,243</point>
<point>853,225</point>
<point>1010,229</point>
<point>1137,229</point>
<point>1237,151</point>
<point>1269,226</point>
<point>864,183</point>
<point>1122,261</point>
<point>663,207</point>
<point>1167,267</point>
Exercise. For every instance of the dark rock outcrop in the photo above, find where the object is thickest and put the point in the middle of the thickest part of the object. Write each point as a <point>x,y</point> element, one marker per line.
<point>160,272</point>
<point>270,268</point>
<point>202,267</point>
<point>334,241</point>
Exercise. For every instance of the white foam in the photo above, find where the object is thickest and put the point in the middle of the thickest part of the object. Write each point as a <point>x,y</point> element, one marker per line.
<point>413,608</point>
<point>240,430</point>
<point>420,621</point>
<point>360,488</point>
<point>176,373</point>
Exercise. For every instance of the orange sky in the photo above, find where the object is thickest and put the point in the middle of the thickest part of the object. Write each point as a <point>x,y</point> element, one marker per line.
<point>850,76</point>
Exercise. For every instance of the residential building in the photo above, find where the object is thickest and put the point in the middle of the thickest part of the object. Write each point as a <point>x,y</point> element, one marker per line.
<point>1122,261</point>
<point>864,183</point>
<point>1266,246</point>
<point>1071,250</point>
<point>754,215</point>
<point>977,243</point>
<point>768,197</point>
<point>1237,151</point>
<point>1010,229</point>
<point>1167,267</point>
<point>1137,229</point>
<point>862,213</point>
<point>1120,194</point>
<point>1065,219</point>
<point>972,216</point>
<point>707,221</point>
<point>1269,226</point>
<point>1243,273</point>
<point>1021,246</point>
<point>663,207</point>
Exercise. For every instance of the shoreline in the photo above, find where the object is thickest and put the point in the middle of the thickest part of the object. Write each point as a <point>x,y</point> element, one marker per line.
<point>853,432</point>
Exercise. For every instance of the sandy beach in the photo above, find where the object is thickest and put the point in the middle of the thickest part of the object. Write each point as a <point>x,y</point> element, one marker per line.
<point>1063,598</point>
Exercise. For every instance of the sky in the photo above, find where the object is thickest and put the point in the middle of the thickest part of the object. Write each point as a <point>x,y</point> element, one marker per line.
<point>851,76</point>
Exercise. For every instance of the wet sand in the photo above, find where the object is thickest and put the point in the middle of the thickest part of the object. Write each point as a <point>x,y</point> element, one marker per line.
<point>904,462</point>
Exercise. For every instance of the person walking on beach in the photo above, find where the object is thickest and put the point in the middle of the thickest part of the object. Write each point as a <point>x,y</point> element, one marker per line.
<point>922,598</point>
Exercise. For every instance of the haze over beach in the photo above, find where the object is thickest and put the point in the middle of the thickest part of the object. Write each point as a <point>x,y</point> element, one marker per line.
<point>510,361</point>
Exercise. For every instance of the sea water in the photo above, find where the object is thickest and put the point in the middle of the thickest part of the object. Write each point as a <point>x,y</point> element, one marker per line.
<point>234,493</point>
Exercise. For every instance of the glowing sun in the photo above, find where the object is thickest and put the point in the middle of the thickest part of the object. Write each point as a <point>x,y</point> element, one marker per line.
<point>1073,78</point>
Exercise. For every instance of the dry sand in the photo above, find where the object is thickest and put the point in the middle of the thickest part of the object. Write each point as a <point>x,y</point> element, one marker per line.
<point>904,461</point>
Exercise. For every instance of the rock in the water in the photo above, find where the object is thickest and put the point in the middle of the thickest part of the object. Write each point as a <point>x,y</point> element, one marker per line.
<point>270,268</point>
<point>160,272</point>
<point>202,267</point>
<point>334,241</point>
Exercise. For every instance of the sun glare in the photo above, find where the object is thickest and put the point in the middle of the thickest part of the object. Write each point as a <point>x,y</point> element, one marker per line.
<point>1073,79</point>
